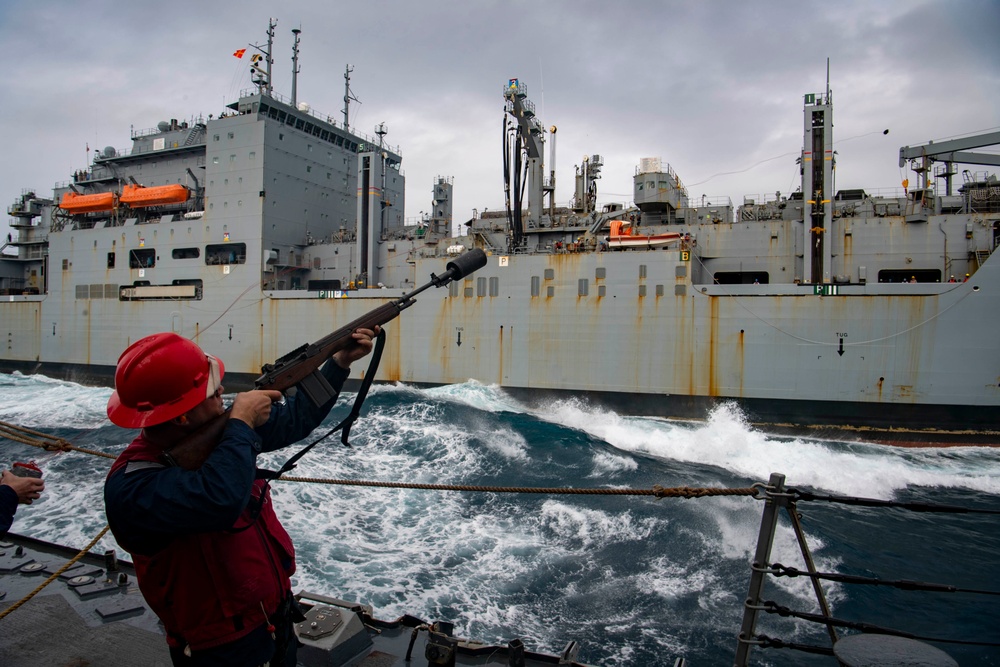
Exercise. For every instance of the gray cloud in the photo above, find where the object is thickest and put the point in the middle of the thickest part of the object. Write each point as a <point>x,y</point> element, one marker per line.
<point>711,87</point>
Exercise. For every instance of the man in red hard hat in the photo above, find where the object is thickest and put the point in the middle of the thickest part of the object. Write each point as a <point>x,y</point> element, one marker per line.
<point>211,557</point>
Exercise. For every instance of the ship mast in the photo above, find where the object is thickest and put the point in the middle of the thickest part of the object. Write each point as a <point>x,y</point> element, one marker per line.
<point>295,66</point>
<point>263,77</point>
<point>348,95</point>
<point>817,183</point>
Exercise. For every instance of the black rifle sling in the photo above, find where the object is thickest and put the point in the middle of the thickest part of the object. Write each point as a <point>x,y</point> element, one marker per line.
<point>348,421</point>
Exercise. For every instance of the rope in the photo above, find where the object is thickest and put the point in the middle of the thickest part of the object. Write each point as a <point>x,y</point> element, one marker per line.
<point>802,494</point>
<point>779,570</point>
<point>51,443</point>
<point>44,441</point>
<point>657,490</point>
<point>772,607</point>
<point>55,576</point>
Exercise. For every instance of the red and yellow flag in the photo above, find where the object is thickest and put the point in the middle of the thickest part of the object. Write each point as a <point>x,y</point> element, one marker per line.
<point>239,53</point>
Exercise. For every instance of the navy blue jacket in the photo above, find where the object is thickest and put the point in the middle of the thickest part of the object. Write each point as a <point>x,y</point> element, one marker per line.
<point>146,508</point>
<point>8,505</point>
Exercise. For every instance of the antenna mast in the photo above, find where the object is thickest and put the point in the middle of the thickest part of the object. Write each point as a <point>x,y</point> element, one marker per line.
<point>271,24</point>
<point>295,65</point>
<point>827,81</point>
<point>348,95</point>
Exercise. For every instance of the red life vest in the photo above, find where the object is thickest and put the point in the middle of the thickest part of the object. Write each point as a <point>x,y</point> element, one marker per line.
<point>210,589</point>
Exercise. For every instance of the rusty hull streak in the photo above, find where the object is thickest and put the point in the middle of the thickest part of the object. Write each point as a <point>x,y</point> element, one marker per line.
<point>713,336</point>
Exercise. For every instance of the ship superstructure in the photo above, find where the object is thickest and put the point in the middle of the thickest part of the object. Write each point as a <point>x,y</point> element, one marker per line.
<point>270,225</point>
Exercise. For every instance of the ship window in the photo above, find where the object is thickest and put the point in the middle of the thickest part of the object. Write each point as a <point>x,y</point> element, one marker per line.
<point>186,253</point>
<point>111,260</point>
<point>642,270</point>
<point>742,277</point>
<point>215,160</point>
<point>141,258</point>
<point>226,253</point>
<point>323,285</point>
<point>309,168</point>
<point>583,287</point>
<point>281,136</point>
<point>215,138</point>
<point>253,155</point>
<point>536,283</point>
<point>232,158</point>
<point>141,290</point>
<point>480,286</point>
<point>639,187</point>
<point>905,275</point>
<point>600,273</point>
<point>231,135</point>
<point>494,287</point>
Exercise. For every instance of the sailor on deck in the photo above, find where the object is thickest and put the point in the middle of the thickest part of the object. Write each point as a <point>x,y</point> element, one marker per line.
<point>211,557</point>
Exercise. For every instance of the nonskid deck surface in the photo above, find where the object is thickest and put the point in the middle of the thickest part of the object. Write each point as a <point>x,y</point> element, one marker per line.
<point>91,615</point>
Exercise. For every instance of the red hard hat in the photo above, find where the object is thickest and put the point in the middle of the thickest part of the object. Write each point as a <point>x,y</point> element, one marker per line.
<point>160,377</point>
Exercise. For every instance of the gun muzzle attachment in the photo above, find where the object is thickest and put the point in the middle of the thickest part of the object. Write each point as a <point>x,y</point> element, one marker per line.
<point>461,266</point>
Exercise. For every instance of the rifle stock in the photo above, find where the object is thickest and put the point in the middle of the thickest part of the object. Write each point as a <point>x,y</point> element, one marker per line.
<point>300,367</point>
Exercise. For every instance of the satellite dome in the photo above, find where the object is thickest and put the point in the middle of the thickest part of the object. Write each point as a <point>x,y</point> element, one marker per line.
<point>109,151</point>
<point>163,126</point>
<point>304,106</point>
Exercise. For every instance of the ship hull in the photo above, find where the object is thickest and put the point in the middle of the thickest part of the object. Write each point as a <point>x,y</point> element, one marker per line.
<point>903,360</point>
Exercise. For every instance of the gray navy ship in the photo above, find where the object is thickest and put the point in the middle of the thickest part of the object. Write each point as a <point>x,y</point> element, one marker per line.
<point>270,225</point>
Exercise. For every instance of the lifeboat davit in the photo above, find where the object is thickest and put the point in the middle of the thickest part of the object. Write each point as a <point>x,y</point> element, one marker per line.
<point>136,196</point>
<point>623,236</point>
<point>77,203</point>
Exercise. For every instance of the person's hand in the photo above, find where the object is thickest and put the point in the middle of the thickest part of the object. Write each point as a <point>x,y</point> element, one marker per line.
<point>360,345</point>
<point>27,488</point>
<point>254,407</point>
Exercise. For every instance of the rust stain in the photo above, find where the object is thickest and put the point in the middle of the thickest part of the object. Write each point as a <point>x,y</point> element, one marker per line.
<point>500,365</point>
<point>848,259</point>
<point>740,349</point>
<point>879,385</point>
<point>713,335</point>
<point>442,334</point>
<point>390,366</point>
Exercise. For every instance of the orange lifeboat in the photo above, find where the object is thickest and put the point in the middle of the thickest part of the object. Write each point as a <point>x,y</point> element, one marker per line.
<point>77,203</point>
<point>623,236</point>
<point>137,196</point>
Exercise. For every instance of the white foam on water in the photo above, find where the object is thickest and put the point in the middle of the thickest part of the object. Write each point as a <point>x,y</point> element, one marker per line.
<point>38,402</point>
<point>483,560</point>
<point>728,442</point>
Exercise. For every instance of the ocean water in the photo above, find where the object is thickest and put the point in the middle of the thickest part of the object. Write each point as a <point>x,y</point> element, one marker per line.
<point>634,580</point>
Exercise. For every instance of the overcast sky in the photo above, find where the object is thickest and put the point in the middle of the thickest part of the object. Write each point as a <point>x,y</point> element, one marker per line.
<point>710,87</point>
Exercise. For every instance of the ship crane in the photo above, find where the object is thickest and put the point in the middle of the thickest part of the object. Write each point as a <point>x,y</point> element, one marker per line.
<point>950,152</point>
<point>523,139</point>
